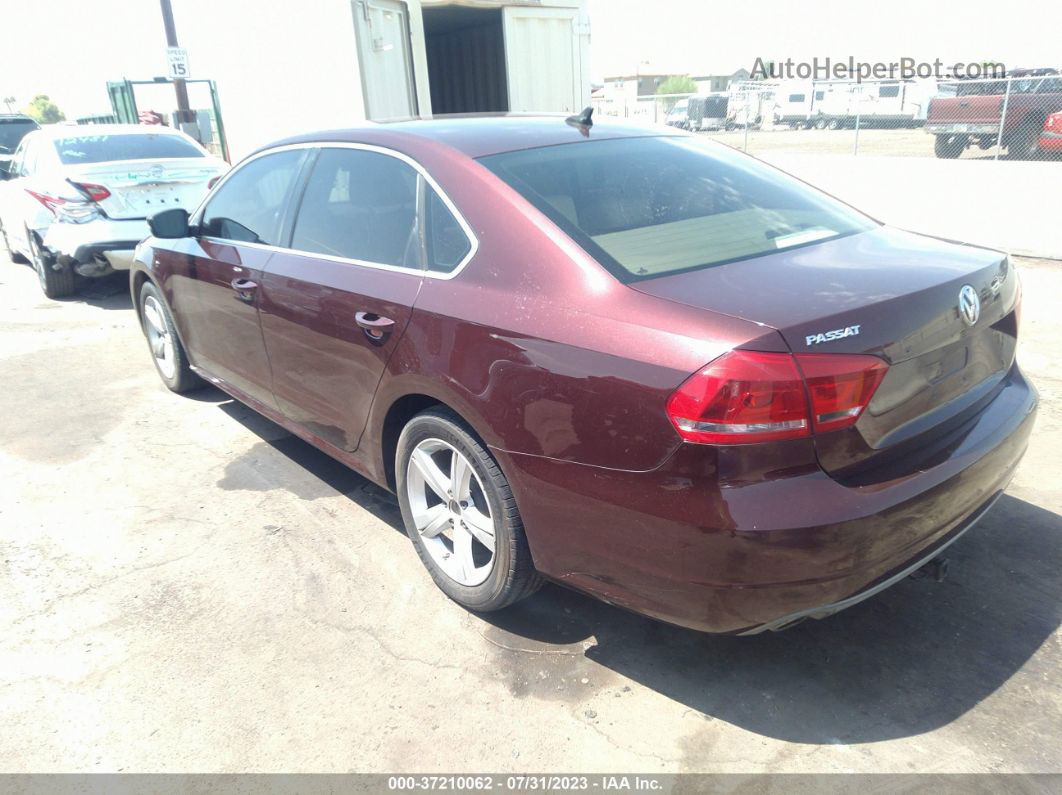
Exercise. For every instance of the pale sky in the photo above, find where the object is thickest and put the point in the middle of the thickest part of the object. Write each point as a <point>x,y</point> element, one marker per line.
<point>69,49</point>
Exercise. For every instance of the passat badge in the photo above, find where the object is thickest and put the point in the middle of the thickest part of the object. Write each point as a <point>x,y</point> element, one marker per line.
<point>830,336</point>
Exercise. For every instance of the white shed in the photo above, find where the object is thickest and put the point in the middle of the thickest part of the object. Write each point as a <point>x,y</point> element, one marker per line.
<point>334,63</point>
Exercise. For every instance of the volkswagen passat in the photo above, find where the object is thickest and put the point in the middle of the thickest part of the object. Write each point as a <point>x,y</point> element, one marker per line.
<point>624,359</point>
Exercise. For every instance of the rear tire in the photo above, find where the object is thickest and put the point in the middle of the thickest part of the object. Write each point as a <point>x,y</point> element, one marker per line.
<point>949,147</point>
<point>171,361</point>
<point>54,284</point>
<point>1025,143</point>
<point>435,509</point>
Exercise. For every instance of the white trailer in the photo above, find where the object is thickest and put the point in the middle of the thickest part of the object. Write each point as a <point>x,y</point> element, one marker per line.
<point>889,103</point>
<point>336,63</point>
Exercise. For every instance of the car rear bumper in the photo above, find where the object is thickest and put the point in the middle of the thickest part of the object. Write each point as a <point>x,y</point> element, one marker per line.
<point>740,548</point>
<point>959,128</point>
<point>1051,141</point>
<point>80,245</point>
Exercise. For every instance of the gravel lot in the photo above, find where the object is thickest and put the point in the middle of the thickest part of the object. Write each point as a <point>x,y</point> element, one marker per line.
<point>187,587</point>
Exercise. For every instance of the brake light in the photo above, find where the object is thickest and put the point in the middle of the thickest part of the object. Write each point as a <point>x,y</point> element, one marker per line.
<point>96,193</point>
<point>49,202</point>
<point>839,386</point>
<point>745,397</point>
<point>740,398</point>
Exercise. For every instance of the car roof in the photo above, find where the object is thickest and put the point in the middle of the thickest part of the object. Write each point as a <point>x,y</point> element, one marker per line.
<point>78,130</point>
<point>479,135</point>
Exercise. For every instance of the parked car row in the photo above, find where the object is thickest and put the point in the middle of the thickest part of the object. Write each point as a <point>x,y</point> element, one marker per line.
<point>74,201</point>
<point>629,360</point>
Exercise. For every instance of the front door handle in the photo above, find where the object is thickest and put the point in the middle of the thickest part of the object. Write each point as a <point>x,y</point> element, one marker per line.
<point>244,289</point>
<point>376,327</point>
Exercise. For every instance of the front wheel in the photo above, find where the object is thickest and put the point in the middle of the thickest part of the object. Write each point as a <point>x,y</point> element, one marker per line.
<point>171,361</point>
<point>460,513</point>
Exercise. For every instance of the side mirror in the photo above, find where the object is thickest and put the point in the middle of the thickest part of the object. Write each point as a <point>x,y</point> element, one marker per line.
<point>169,224</point>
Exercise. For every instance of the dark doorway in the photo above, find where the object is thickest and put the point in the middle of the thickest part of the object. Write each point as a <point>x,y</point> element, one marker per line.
<point>466,59</point>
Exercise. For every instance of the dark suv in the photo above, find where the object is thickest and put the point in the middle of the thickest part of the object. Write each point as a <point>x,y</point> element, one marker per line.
<point>13,128</point>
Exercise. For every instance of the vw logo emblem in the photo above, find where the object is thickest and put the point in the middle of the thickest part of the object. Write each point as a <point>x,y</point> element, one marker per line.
<point>157,171</point>
<point>969,305</point>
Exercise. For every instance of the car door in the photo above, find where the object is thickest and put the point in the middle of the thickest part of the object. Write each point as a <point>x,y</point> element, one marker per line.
<point>216,276</point>
<point>335,305</point>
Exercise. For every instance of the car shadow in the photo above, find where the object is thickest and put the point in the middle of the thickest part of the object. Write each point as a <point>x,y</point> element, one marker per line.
<point>911,659</point>
<point>106,292</point>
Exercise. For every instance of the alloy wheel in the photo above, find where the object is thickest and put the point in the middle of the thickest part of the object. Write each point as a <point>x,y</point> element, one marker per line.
<point>159,337</point>
<point>451,512</point>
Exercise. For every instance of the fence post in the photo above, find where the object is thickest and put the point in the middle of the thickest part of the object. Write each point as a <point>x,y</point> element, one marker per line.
<point>1002,120</point>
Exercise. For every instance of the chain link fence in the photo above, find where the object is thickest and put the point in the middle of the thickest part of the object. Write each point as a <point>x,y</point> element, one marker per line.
<point>1018,117</point>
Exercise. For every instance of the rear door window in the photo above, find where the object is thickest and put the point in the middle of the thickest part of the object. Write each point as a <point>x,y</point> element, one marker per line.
<point>249,206</point>
<point>360,205</point>
<point>128,146</point>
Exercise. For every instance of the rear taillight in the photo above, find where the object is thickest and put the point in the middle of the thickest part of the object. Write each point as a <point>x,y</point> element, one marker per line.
<point>50,202</point>
<point>96,193</point>
<point>840,386</point>
<point>745,397</point>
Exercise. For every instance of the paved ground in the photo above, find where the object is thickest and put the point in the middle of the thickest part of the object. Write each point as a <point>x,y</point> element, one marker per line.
<point>188,588</point>
<point>901,142</point>
<point>1010,205</point>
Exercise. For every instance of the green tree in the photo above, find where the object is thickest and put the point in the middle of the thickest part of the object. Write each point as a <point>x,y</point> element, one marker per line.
<point>677,84</point>
<point>44,110</point>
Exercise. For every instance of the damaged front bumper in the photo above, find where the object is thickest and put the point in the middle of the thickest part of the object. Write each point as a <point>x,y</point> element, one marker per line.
<point>95,248</point>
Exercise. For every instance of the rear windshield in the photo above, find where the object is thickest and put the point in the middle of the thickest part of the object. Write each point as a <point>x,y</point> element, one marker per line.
<point>12,132</point>
<point>646,207</point>
<point>129,146</point>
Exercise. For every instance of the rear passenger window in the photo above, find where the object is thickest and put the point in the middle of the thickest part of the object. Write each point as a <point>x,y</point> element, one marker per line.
<point>360,205</point>
<point>248,208</point>
<point>447,242</point>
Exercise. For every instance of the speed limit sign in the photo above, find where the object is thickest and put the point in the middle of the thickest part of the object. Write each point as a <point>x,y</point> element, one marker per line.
<point>178,60</point>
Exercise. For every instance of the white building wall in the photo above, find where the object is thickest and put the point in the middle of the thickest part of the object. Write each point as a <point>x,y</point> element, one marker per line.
<point>280,69</point>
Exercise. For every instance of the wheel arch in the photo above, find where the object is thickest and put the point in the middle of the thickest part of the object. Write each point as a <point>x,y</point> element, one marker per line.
<point>401,409</point>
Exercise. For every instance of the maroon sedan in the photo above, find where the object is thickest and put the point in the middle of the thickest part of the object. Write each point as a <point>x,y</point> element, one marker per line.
<point>625,359</point>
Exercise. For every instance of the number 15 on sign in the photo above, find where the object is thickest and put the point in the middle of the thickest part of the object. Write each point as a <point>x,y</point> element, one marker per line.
<point>178,60</point>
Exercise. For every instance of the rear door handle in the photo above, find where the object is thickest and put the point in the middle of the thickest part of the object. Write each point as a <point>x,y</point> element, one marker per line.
<point>244,289</point>
<point>375,327</point>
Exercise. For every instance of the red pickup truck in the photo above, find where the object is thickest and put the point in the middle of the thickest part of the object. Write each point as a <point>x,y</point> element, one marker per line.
<point>967,113</point>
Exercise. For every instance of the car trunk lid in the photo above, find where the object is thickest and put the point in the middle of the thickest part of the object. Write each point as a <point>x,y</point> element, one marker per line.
<point>887,293</point>
<point>139,188</point>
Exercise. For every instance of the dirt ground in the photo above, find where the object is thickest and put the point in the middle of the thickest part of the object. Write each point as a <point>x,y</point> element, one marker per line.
<point>187,587</point>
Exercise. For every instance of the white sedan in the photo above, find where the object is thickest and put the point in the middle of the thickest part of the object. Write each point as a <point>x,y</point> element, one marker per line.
<point>75,200</point>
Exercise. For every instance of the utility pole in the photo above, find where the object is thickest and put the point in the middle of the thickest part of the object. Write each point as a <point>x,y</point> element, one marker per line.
<point>184,112</point>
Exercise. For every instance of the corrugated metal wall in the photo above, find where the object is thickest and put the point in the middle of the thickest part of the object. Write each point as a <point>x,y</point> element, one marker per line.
<point>466,67</point>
